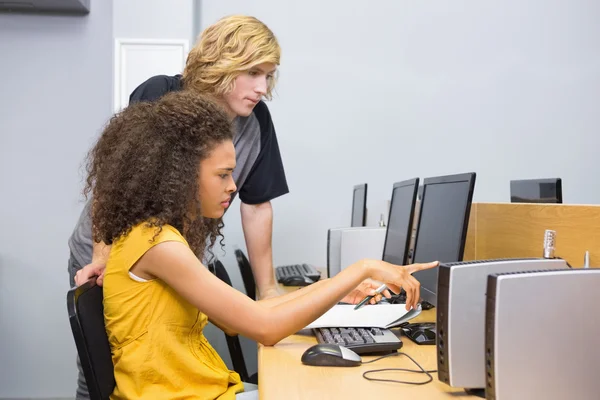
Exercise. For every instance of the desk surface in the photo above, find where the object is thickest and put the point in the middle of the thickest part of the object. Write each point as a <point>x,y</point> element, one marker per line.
<point>283,376</point>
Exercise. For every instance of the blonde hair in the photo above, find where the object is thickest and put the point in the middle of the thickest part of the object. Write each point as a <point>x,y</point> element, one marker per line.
<point>225,49</point>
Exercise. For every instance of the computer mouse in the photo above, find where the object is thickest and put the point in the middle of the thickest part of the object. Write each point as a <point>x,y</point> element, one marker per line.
<point>421,333</point>
<point>297,281</point>
<point>330,355</point>
<point>425,336</point>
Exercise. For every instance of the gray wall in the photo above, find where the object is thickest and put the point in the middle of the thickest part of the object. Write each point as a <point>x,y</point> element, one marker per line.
<point>153,19</point>
<point>56,94</point>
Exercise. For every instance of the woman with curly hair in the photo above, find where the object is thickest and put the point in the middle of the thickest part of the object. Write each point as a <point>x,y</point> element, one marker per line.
<point>160,177</point>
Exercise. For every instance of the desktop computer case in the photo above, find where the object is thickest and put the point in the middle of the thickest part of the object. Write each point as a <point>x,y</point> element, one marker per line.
<point>461,305</point>
<point>348,245</point>
<point>358,244</point>
<point>334,242</point>
<point>543,335</point>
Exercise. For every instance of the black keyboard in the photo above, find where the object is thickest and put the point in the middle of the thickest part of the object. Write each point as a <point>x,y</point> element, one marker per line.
<point>360,340</point>
<point>297,274</point>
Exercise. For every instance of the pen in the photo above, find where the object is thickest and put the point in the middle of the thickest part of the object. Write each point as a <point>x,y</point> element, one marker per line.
<point>366,299</point>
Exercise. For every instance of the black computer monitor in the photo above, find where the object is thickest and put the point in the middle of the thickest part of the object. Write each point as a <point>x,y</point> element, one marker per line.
<point>359,205</point>
<point>442,226</point>
<point>536,191</point>
<point>397,234</point>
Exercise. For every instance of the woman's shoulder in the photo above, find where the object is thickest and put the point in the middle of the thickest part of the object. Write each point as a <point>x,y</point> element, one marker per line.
<point>147,234</point>
<point>129,248</point>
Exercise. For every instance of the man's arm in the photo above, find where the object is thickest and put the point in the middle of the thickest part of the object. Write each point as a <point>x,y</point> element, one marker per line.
<point>100,253</point>
<point>257,223</point>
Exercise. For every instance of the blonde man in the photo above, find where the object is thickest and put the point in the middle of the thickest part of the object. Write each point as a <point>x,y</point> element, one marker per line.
<point>234,62</point>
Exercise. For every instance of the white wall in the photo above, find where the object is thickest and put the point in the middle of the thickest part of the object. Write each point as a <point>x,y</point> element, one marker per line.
<point>152,37</point>
<point>56,75</point>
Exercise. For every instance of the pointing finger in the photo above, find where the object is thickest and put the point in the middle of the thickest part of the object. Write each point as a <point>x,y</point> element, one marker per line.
<point>420,267</point>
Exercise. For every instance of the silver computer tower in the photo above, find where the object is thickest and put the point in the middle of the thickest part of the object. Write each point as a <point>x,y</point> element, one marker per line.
<point>334,243</point>
<point>347,245</point>
<point>543,335</point>
<point>460,321</point>
<point>358,244</point>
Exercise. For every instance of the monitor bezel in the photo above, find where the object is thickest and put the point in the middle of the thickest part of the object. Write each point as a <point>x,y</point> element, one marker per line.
<point>556,181</point>
<point>415,183</point>
<point>464,177</point>
<point>364,210</point>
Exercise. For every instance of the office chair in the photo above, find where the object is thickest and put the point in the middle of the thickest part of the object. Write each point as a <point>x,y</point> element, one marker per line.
<point>246,272</point>
<point>233,342</point>
<point>86,315</point>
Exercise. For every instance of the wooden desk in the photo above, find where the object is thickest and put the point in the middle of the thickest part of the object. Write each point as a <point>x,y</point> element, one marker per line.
<point>283,376</point>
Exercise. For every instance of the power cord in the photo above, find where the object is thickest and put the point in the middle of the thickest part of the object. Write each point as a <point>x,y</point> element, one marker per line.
<point>421,370</point>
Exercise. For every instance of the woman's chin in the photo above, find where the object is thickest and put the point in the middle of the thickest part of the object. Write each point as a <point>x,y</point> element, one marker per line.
<point>215,214</point>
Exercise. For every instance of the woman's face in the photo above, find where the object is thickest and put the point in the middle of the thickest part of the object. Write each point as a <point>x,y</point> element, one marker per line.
<point>215,180</point>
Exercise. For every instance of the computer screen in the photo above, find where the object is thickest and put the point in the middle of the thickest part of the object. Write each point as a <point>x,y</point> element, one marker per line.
<point>536,191</point>
<point>359,205</point>
<point>397,236</point>
<point>442,226</point>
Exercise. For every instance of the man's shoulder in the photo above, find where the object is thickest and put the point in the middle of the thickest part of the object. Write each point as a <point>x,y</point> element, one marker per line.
<point>263,116</point>
<point>259,121</point>
<point>163,80</point>
<point>155,87</point>
<point>261,110</point>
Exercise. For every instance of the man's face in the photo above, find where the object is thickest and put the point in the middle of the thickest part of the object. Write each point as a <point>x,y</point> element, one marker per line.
<point>250,87</point>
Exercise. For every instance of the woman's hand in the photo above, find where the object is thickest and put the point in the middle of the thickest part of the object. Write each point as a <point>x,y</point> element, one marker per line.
<point>364,289</point>
<point>399,276</point>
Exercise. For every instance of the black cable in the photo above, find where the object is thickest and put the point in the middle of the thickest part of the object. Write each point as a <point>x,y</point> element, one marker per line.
<point>379,358</point>
<point>421,370</point>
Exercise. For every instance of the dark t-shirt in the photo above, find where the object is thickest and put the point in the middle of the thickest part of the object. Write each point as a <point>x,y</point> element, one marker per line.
<point>259,173</point>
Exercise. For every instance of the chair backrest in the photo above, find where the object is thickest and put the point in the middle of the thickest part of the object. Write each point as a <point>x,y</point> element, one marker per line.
<point>233,342</point>
<point>86,315</point>
<point>246,272</point>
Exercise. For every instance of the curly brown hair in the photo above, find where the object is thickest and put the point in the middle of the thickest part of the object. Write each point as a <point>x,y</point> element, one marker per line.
<point>145,165</point>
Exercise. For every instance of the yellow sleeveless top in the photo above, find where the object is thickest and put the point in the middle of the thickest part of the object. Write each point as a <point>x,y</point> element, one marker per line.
<point>158,348</point>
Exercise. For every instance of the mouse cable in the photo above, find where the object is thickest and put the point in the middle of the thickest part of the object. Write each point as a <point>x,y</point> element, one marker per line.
<point>421,370</point>
<point>395,354</point>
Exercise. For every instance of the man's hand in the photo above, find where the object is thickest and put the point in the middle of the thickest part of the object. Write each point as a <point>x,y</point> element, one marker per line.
<point>364,289</point>
<point>89,271</point>
<point>100,254</point>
